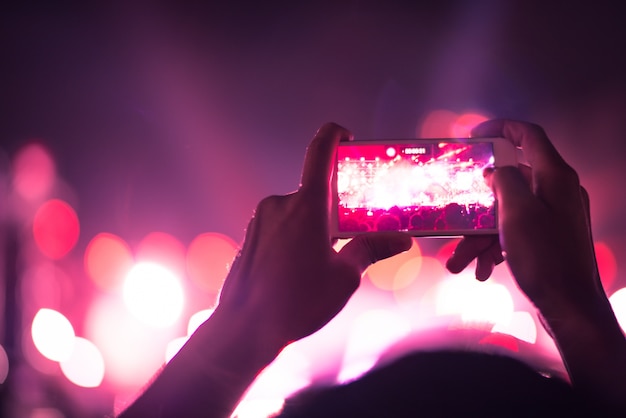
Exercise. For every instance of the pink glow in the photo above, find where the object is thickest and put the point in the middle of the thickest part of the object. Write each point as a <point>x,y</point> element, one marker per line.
<point>383,273</point>
<point>55,228</point>
<point>164,249</point>
<point>132,351</point>
<point>107,260</point>
<point>53,335</point>
<point>209,258</point>
<point>607,265</point>
<point>153,294</point>
<point>85,366</point>
<point>463,125</point>
<point>33,172</point>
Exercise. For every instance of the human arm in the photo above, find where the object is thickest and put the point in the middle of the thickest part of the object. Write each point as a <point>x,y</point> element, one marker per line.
<point>286,284</point>
<point>545,232</point>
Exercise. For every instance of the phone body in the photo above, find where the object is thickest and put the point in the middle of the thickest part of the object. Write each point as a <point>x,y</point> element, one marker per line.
<point>425,187</point>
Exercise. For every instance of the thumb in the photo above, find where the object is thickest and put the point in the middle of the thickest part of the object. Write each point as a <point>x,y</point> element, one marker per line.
<point>367,249</point>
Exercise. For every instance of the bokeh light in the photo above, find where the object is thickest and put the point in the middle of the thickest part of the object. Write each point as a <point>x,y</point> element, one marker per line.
<point>288,373</point>
<point>437,124</point>
<point>195,321</point>
<point>173,347</point>
<point>107,260</point>
<point>618,303</point>
<point>407,273</point>
<point>55,228</point>
<point>209,258</point>
<point>85,366</point>
<point>198,319</point>
<point>258,408</point>
<point>33,172</point>
<point>412,298</point>
<point>447,124</point>
<point>521,326</point>
<point>46,413</point>
<point>463,125</point>
<point>53,335</point>
<point>447,249</point>
<point>4,365</point>
<point>506,341</point>
<point>383,274</point>
<point>44,285</point>
<point>164,249</point>
<point>337,246</point>
<point>476,302</point>
<point>132,351</point>
<point>607,265</point>
<point>372,332</point>
<point>153,294</point>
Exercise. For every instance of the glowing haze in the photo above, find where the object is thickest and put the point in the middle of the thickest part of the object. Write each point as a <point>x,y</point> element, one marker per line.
<point>153,294</point>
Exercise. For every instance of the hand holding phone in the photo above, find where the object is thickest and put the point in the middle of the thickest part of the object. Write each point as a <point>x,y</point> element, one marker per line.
<point>426,187</point>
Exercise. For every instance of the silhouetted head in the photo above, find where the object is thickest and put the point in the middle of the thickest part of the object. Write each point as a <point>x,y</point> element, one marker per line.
<point>442,384</point>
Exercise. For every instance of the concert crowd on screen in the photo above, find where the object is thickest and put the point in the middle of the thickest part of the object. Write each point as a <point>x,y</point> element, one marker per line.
<point>422,218</point>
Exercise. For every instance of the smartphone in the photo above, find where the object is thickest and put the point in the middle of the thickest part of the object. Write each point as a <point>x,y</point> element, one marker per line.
<point>426,187</point>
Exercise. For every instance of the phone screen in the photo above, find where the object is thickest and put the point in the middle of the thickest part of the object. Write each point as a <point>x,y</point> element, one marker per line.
<point>426,187</point>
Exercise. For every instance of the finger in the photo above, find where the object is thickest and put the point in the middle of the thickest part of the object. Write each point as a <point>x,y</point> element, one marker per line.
<point>511,190</point>
<point>538,149</point>
<point>488,260</point>
<point>553,180</point>
<point>320,159</point>
<point>367,249</point>
<point>484,266</point>
<point>468,249</point>
<point>253,232</point>
<point>526,172</point>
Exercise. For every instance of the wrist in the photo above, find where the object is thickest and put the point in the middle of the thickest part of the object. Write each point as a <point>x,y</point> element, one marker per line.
<point>234,340</point>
